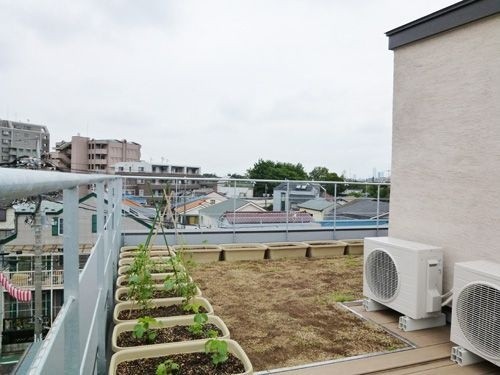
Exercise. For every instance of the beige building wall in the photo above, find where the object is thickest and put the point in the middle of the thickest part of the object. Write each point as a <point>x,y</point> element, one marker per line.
<point>446,143</point>
<point>79,154</point>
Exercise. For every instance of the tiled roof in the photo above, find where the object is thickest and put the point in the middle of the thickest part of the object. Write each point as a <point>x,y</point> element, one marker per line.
<point>316,204</point>
<point>220,208</point>
<point>360,209</point>
<point>266,217</point>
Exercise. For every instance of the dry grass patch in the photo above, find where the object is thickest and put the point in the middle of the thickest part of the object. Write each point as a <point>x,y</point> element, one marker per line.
<point>285,312</point>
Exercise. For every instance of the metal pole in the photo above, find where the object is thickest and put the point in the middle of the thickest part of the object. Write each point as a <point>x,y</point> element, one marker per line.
<point>71,284</point>
<point>101,348</point>
<point>287,207</point>
<point>234,212</point>
<point>378,206</point>
<point>334,211</point>
<point>37,225</point>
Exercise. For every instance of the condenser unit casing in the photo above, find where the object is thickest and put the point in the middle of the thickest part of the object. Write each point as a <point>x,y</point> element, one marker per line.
<point>403,275</point>
<point>475,320</point>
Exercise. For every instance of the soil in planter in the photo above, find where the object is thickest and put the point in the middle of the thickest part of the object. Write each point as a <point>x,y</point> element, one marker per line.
<point>166,335</point>
<point>156,312</point>
<point>190,364</point>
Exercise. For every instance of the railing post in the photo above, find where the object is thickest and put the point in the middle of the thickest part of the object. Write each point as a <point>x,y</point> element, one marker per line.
<point>378,206</point>
<point>288,206</point>
<point>234,211</point>
<point>101,346</point>
<point>335,211</point>
<point>71,282</point>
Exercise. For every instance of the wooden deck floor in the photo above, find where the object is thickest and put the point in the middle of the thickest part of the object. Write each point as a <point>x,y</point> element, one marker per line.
<point>431,355</point>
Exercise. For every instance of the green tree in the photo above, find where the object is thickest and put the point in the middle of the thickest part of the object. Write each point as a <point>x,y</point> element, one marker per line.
<point>323,174</point>
<point>385,191</point>
<point>270,170</point>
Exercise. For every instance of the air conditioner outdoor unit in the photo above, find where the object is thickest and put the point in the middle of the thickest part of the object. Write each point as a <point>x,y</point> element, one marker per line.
<point>405,276</point>
<point>475,320</point>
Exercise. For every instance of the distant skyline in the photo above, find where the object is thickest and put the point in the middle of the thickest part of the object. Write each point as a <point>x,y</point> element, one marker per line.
<point>216,84</point>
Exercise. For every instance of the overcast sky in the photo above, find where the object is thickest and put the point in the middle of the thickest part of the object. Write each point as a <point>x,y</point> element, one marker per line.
<point>214,84</point>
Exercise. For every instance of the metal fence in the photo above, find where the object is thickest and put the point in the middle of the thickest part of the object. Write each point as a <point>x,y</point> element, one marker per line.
<point>76,343</point>
<point>328,208</point>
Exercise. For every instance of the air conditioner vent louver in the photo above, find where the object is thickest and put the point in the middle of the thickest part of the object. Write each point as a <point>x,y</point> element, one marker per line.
<point>478,313</point>
<point>381,275</point>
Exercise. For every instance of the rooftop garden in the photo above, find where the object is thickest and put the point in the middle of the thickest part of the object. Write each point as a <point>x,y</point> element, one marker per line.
<point>282,312</point>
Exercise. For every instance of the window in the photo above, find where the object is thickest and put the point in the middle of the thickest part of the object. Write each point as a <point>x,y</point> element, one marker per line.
<point>140,181</point>
<point>57,226</point>
<point>141,169</point>
<point>3,214</point>
<point>94,223</point>
<point>141,192</point>
<point>120,169</point>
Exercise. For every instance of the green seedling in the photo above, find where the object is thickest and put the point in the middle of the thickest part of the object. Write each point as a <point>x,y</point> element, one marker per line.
<point>200,319</point>
<point>218,350</point>
<point>168,367</point>
<point>143,329</point>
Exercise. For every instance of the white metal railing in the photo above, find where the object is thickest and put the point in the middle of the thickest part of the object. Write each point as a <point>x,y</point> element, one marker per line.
<point>76,343</point>
<point>334,221</point>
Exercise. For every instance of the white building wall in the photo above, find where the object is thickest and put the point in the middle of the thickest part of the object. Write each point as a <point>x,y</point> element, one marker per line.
<point>446,143</point>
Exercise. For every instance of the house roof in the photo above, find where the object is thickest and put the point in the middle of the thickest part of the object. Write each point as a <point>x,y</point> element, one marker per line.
<point>361,208</point>
<point>448,18</point>
<point>316,204</point>
<point>182,208</point>
<point>220,208</point>
<point>267,217</point>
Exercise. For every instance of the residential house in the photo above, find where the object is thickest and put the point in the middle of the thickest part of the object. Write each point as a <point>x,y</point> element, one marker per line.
<point>288,195</point>
<point>188,211</point>
<point>318,208</point>
<point>264,218</point>
<point>211,216</point>
<point>235,189</point>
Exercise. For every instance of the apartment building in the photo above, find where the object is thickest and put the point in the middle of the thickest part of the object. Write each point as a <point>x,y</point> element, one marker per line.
<point>20,139</point>
<point>151,186</point>
<point>85,154</point>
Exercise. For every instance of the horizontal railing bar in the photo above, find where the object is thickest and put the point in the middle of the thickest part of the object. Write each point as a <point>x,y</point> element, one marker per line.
<point>224,179</point>
<point>20,183</point>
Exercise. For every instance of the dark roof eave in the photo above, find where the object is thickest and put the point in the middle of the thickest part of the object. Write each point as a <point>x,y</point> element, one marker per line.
<point>445,19</point>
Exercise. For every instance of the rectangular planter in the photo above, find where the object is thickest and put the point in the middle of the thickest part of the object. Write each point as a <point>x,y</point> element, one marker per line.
<point>183,347</point>
<point>165,323</point>
<point>122,306</point>
<point>124,291</point>
<point>354,247</point>
<point>325,249</point>
<point>199,253</point>
<point>278,250</point>
<point>122,270</point>
<point>243,251</point>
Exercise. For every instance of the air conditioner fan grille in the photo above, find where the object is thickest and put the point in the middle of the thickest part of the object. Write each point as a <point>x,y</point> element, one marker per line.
<point>478,313</point>
<point>381,275</point>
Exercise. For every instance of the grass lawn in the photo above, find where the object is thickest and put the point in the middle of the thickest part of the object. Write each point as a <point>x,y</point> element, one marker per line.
<point>286,312</point>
